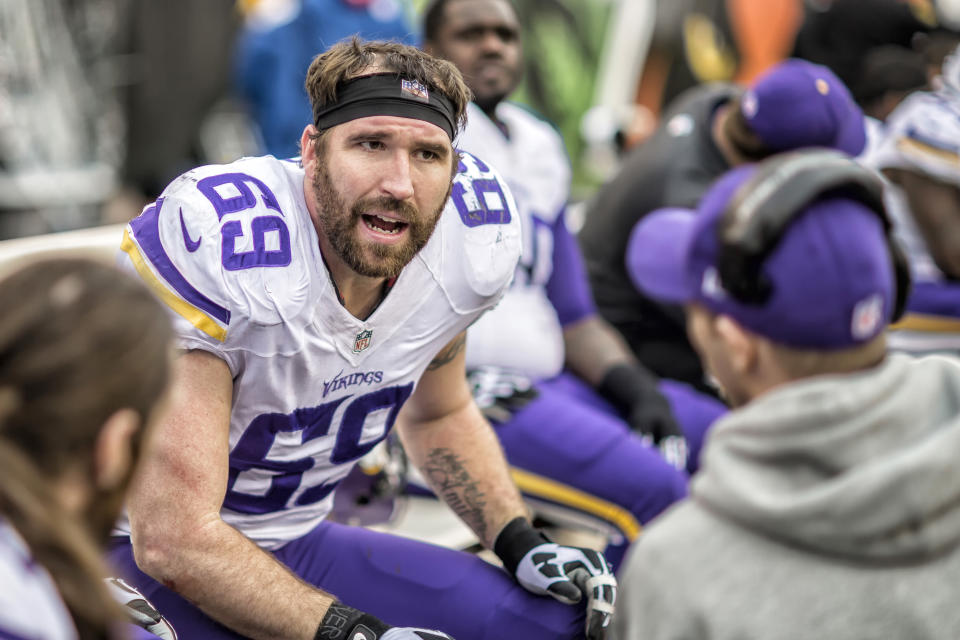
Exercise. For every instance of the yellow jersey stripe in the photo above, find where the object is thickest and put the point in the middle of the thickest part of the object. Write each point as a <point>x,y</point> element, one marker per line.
<point>928,323</point>
<point>541,487</point>
<point>194,316</point>
<point>912,144</point>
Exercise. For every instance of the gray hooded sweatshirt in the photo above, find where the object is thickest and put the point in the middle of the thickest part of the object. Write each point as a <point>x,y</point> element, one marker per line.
<point>825,509</point>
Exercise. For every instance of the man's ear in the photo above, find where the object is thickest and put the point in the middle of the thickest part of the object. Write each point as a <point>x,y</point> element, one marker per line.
<point>740,344</point>
<point>308,151</point>
<point>113,452</point>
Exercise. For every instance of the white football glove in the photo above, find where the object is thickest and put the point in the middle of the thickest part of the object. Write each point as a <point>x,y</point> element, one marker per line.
<point>565,573</point>
<point>409,633</point>
<point>139,610</point>
<point>674,450</point>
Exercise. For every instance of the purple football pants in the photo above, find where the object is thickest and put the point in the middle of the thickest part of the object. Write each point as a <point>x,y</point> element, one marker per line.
<point>403,582</point>
<point>568,448</point>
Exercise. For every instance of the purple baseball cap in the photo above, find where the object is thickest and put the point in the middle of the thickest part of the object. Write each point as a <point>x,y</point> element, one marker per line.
<point>800,104</point>
<point>831,272</point>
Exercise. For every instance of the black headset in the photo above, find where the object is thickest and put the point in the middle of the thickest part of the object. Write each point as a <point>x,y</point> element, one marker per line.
<point>762,208</point>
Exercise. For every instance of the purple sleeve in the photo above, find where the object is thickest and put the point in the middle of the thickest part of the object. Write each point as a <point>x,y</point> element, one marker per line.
<point>568,289</point>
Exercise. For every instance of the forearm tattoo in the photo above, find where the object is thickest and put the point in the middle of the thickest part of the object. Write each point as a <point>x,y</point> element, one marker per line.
<point>452,482</point>
<point>448,353</point>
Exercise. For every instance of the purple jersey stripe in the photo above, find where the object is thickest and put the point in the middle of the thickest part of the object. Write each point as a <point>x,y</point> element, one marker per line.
<point>146,230</point>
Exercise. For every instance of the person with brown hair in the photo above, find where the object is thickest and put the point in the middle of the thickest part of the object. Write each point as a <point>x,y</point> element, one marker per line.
<point>85,355</point>
<point>319,303</point>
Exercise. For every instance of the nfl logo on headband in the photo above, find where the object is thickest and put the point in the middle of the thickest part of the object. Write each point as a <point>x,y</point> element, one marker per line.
<point>415,90</point>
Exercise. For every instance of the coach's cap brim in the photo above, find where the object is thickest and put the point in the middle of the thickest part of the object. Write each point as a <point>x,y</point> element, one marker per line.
<point>657,254</point>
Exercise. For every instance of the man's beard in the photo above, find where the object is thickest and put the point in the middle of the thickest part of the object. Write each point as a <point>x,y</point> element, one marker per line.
<point>339,224</point>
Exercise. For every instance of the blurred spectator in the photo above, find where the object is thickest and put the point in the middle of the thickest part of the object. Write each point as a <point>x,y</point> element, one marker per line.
<point>61,127</point>
<point>278,41</point>
<point>703,41</point>
<point>709,130</point>
<point>840,33</point>
<point>180,69</point>
<point>828,503</point>
<point>888,74</point>
<point>84,358</point>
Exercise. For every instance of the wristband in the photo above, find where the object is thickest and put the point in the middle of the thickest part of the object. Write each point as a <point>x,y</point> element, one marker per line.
<point>346,623</point>
<point>623,385</point>
<point>514,541</point>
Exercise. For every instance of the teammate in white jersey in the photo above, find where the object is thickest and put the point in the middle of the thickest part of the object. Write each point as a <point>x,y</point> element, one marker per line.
<point>920,154</point>
<point>557,380</point>
<point>319,302</point>
<point>85,353</point>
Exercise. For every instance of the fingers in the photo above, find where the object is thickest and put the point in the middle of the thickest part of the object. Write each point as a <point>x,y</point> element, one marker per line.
<point>597,625</point>
<point>565,591</point>
<point>675,451</point>
<point>601,592</point>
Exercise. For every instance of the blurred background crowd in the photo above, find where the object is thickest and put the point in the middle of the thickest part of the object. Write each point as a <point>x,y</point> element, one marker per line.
<point>103,102</point>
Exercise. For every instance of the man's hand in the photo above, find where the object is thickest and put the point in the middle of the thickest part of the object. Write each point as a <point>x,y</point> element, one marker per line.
<point>634,392</point>
<point>651,418</point>
<point>139,610</point>
<point>565,573</point>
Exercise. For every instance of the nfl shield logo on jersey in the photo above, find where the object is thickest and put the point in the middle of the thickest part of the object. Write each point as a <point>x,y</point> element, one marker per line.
<point>362,341</point>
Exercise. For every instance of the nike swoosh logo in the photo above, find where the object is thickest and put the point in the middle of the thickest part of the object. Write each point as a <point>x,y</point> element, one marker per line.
<point>191,245</point>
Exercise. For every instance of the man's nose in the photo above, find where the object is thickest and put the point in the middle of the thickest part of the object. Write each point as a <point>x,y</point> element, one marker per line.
<point>491,42</point>
<point>396,180</point>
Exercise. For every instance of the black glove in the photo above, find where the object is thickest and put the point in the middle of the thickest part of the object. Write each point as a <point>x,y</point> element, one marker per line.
<point>633,391</point>
<point>346,623</point>
<point>566,573</point>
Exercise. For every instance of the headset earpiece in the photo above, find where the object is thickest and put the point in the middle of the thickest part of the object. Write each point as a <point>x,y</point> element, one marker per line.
<point>765,205</point>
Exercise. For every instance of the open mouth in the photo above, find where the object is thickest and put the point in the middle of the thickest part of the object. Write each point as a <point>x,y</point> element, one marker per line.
<point>384,225</point>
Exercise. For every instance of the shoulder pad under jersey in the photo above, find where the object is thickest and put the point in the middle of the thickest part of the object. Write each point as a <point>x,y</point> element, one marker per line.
<point>224,246</point>
<point>477,243</point>
<point>540,175</point>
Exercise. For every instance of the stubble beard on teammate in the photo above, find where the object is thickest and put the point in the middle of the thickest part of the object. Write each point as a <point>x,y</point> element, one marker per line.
<point>339,222</point>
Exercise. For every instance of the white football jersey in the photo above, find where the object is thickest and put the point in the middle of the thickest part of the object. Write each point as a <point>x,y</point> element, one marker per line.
<point>523,333</point>
<point>30,605</point>
<point>233,252</point>
<point>922,135</point>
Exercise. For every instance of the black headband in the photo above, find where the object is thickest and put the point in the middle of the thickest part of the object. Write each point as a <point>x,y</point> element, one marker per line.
<point>386,94</point>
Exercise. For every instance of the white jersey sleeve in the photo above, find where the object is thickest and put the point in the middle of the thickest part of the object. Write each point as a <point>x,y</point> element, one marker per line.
<point>923,135</point>
<point>481,238</point>
<point>221,248</point>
